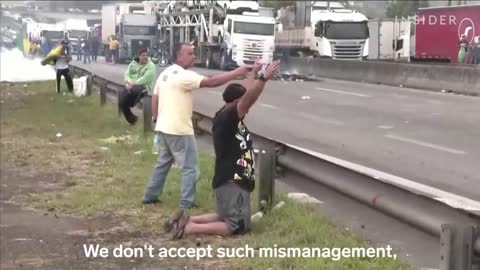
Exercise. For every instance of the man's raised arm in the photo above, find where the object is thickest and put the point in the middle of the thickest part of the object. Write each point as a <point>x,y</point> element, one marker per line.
<point>255,89</point>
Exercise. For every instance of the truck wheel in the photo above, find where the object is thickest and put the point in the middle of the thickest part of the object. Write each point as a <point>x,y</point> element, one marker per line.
<point>223,62</point>
<point>209,60</point>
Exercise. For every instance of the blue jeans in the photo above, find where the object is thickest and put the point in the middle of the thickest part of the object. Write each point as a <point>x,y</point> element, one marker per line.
<point>183,150</point>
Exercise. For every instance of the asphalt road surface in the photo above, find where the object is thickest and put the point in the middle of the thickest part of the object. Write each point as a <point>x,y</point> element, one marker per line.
<point>430,138</point>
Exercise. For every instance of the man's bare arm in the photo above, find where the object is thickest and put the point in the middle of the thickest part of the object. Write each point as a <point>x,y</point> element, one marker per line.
<point>154,107</point>
<point>221,79</point>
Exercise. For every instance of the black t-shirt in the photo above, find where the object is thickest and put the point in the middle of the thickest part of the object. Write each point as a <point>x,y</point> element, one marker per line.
<point>233,148</point>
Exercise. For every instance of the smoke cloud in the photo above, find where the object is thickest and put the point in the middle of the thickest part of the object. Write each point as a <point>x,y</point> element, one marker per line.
<point>16,68</point>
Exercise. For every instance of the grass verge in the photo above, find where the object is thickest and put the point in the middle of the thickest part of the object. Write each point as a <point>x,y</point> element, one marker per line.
<point>111,175</point>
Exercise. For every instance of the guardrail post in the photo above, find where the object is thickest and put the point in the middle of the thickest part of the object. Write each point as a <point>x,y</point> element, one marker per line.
<point>266,177</point>
<point>457,247</point>
<point>89,84</point>
<point>147,113</point>
<point>120,92</point>
<point>103,94</point>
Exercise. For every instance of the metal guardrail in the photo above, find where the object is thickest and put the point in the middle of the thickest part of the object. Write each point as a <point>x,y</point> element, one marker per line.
<point>458,230</point>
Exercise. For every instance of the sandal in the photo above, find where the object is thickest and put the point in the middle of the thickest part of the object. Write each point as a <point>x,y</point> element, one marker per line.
<point>180,229</point>
<point>168,225</point>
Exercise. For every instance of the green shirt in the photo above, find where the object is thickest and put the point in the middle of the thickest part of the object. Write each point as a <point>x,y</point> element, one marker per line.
<point>141,74</point>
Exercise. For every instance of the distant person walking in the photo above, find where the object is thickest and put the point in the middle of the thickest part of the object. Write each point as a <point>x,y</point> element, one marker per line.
<point>62,68</point>
<point>95,46</point>
<point>81,44</point>
<point>114,49</point>
<point>87,50</point>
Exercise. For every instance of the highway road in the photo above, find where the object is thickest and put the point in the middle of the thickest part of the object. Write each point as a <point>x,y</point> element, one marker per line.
<point>427,137</point>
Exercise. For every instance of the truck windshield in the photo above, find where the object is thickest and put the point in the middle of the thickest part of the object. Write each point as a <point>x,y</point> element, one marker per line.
<point>253,28</point>
<point>323,6</point>
<point>139,30</point>
<point>346,30</point>
<point>77,34</point>
<point>53,34</point>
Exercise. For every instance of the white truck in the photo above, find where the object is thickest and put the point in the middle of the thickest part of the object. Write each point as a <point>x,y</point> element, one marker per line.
<point>225,34</point>
<point>133,28</point>
<point>384,37</point>
<point>322,29</point>
<point>77,30</point>
<point>52,34</point>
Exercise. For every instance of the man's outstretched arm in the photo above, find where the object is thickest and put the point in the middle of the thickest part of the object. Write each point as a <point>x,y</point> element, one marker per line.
<point>221,79</point>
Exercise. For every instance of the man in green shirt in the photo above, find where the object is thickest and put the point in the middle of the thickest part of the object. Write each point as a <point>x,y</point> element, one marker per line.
<point>139,78</point>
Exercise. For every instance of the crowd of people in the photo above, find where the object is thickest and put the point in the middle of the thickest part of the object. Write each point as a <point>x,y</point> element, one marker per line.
<point>37,47</point>
<point>469,53</point>
<point>88,49</point>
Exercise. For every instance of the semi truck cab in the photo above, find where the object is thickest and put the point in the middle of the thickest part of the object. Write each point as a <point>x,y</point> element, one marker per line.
<point>322,29</point>
<point>340,34</point>
<point>248,37</point>
<point>136,31</point>
<point>75,36</point>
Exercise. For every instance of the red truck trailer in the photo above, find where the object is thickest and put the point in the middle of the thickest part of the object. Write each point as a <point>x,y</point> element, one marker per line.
<point>438,31</point>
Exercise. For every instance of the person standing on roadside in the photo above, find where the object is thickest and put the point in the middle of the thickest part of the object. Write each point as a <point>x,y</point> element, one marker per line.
<point>87,50</point>
<point>114,49</point>
<point>95,46</point>
<point>172,112</point>
<point>462,53</point>
<point>62,68</point>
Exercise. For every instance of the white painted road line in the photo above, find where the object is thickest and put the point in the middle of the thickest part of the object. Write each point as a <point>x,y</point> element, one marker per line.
<point>451,199</point>
<point>267,106</point>
<point>321,119</point>
<point>426,144</point>
<point>341,92</point>
<point>385,127</point>
<point>215,92</point>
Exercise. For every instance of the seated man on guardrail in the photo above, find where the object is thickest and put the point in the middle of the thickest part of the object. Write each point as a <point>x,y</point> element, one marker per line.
<point>139,77</point>
<point>234,177</point>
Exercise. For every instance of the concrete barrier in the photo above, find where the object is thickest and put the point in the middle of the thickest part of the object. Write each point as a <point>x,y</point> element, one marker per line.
<point>458,79</point>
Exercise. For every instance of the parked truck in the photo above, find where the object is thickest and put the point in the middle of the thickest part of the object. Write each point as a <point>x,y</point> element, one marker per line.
<point>384,34</point>
<point>433,35</point>
<point>226,35</point>
<point>322,29</point>
<point>51,35</point>
<point>76,31</point>
<point>131,26</point>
